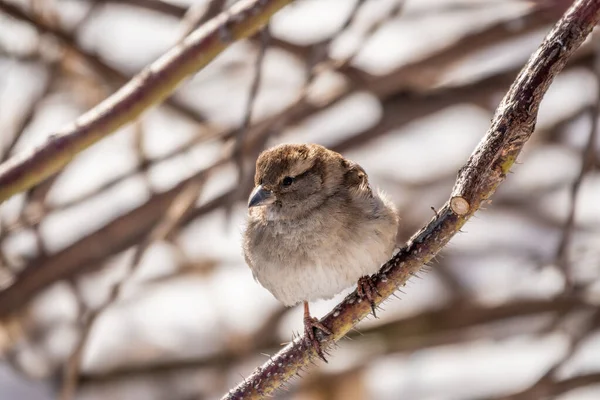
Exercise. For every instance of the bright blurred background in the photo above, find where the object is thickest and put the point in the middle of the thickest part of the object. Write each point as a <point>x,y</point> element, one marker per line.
<point>406,90</point>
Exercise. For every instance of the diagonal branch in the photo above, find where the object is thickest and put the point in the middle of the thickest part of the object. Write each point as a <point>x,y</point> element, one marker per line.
<point>149,87</point>
<point>110,74</point>
<point>385,87</point>
<point>485,170</point>
<point>129,229</point>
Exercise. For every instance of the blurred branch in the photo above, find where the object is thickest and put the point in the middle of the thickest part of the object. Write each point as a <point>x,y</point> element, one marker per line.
<point>588,160</point>
<point>27,117</point>
<point>128,229</point>
<point>107,72</point>
<point>23,123</point>
<point>176,210</point>
<point>415,106</point>
<point>546,385</point>
<point>141,168</point>
<point>427,72</point>
<point>550,389</point>
<point>150,86</point>
<point>407,80</point>
<point>90,251</point>
<point>558,387</point>
<point>238,155</point>
<point>392,85</point>
<point>344,65</point>
<point>155,5</point>
<point>487,167</point>
<point>198,14</point>
<point>426,329</point>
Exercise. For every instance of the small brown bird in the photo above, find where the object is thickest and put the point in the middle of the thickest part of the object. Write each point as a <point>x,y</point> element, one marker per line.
<point>315,227</point>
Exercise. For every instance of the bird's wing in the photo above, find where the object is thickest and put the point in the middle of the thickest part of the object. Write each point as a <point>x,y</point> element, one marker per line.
<point>358,180</point>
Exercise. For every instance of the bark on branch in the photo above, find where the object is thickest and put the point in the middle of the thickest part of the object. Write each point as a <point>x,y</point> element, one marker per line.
<point>151,86</point>
<point>487,167</point>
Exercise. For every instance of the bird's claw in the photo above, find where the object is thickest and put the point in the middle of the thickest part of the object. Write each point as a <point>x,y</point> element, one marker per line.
<point>366,289</point>
<point>311,324</point>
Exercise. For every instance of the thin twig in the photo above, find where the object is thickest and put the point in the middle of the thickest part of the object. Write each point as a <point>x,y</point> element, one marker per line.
<point>22,125</point>
<point>320,51</point>
<point>30,113</point>
<point>238,155</point>
<point>342,64</point>
<point>198,14</point>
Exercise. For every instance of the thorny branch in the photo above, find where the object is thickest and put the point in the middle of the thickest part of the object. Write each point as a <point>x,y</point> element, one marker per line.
<point>487,167</point>
<point>548,384</point>
<point>127,230</point>
<point>414,105</point>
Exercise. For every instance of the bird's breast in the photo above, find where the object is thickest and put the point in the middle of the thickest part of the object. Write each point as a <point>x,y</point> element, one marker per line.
<point>317,257</point>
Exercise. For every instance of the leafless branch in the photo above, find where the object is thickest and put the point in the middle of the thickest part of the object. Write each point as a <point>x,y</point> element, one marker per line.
<point>127,230</point>
<point>111,75</point>
<point>380,86</point>
<point>149,87</point>
<point>486,169</point>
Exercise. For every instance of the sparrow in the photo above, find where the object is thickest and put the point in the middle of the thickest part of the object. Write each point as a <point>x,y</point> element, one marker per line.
<point>315,227</point>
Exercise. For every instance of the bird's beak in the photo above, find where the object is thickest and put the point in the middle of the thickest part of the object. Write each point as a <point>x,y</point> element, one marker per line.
<point>260,197</point>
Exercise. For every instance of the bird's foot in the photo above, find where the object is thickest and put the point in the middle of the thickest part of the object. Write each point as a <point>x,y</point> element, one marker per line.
<point>311,325</point>
<point>366,289</point>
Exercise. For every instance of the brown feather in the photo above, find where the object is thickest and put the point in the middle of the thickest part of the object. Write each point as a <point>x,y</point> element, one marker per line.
<point>323,232</point>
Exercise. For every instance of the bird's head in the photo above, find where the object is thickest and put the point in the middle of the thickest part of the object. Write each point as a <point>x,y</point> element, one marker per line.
<point>296,178</point>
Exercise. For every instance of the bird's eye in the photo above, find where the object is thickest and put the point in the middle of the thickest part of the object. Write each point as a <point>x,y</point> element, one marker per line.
<point>287,181</point>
